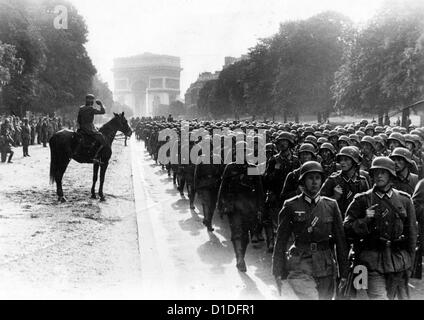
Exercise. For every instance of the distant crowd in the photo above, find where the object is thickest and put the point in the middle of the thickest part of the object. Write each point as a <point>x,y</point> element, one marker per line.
<point>16,132</point>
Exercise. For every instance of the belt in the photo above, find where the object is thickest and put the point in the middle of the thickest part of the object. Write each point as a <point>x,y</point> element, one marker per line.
<point>314,246</point>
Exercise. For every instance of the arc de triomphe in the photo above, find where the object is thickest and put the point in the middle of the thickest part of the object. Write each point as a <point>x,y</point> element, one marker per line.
<point>146,81</point>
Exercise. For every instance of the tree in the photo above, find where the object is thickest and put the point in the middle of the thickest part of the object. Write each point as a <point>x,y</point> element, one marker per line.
<point>310,53</point>
<point>213,101</point>
<point>384,65</point>
<point>102,92</point>
<point>57,71</point>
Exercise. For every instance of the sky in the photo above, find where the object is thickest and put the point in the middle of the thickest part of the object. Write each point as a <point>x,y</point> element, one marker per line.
<point>200,32</point>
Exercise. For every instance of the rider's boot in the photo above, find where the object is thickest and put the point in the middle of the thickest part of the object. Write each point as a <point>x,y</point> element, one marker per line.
<point>10,158</point>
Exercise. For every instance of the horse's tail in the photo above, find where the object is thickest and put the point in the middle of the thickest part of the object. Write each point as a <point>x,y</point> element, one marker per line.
<point>53,158</point>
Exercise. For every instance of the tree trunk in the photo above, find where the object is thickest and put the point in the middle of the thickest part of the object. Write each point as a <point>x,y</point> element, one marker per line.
<point>284,116</point>
<point>319,117</point>
<point>386,118</point>
<point>405,117</point>
<point>380,118</point>
<point>296,117</point>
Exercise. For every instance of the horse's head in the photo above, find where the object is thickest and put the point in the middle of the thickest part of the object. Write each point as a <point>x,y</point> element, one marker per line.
<point>123,124</point>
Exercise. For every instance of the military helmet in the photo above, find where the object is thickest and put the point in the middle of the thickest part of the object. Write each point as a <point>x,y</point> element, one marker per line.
<point>307,147</point>
<point>409,138</point>
<point>383,163</point>
<point>285,136</point>
<point>309,130</point>
<point>379,139</point>
<point>312,140</point>
<point>402,153</point>
<point>322,140</point>
<point>270,147</point>
<point>368,139</point>
<point>355,137</point>
<point>333,133</point>
<point>328,146</point>
<point>369,127</point>
<point>341,131</point>
<point>383,136</point>
<point>379,129</point>
<point>417,132</point>
<point>351,152</point>
<point>344,138</point>
<point>360,133</point>
<point>397,137</point>
<point>318,134</point>
<point>416,138</point>
<point>308,167</point>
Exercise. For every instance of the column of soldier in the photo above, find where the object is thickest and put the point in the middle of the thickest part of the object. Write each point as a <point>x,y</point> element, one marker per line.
<point>15,132</point>
<point>330,199</point>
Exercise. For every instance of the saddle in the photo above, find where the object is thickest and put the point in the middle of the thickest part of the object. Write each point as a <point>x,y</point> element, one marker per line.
<point>84,147</point>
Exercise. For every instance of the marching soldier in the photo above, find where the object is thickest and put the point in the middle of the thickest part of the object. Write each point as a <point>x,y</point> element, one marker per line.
<point>276,172</point>
<point>405,180</point>
<point>207,178</point>
<point>343,185</point>
<point>382,224</point>
<point>368,150</point>
<point>291,185</point>
<point>241,197</point>
<point>316,224</point>
<point>26,137</point>
<point>327,153</point>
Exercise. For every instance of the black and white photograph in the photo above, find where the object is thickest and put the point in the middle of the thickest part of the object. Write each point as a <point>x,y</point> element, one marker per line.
<point>211,150</point>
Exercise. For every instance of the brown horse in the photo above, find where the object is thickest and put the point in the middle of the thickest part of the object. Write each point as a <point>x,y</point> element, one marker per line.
<point>66,145</point>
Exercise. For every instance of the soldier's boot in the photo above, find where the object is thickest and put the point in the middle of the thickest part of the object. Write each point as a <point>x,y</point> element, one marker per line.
<point>10,158</point>
<point>207,221</point>
<point>191,197</point>
<point>238,249</point>
<point>269,233</point>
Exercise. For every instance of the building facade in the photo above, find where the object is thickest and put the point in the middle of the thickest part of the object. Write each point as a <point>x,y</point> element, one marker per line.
<point>192,94</point>
<point>146,81</point>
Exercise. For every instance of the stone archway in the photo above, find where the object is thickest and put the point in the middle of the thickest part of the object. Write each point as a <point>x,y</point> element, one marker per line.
<point>139,91</point>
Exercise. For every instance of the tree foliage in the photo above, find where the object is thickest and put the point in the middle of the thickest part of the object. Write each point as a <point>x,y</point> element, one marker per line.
<point>384,64</point>
<point>57,71</point>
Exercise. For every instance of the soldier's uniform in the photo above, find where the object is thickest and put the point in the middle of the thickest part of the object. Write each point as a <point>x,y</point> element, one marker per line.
<point>207,178</point>
<point>328,165</point>
<point>366,163</point>
<point>26,138</point>
<point>407,183</point>
<point>241,198</point>
<point>385,244</point>
<point>350,186</point>
<point>310,268</point>
<point>279,166</point>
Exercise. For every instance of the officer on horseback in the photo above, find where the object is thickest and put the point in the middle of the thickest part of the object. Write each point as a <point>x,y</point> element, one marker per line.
<point>86,126</point>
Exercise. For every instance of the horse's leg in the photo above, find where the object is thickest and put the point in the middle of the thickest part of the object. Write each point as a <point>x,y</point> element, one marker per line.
<point>103,168</point>
<point>58,178</point>
<point>95,175</point>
